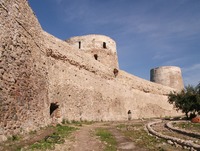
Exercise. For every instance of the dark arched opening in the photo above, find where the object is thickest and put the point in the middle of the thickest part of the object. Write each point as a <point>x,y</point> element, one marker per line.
<point>53,107</point>
<point>115,71</point>
<point>104,45</point>
<point>95,56</point>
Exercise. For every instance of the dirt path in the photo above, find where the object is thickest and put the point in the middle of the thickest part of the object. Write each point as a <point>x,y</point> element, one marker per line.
<point>85,140</point>
<point>124,143</point>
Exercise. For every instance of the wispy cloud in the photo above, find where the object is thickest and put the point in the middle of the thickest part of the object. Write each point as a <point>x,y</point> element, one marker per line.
<point>166,23</point>
<point>191,74</point>
<point>155,32</point>
<point>194,67</point>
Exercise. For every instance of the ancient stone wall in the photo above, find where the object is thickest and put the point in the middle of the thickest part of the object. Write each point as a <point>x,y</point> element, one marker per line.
<point>44,80</point>
<point>23,74</point>
<point>100,47</point>
<point>88,90</point>
<point>167,75</point>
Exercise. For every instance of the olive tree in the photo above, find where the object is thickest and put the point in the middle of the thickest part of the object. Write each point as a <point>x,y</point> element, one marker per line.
<point>188,100</point>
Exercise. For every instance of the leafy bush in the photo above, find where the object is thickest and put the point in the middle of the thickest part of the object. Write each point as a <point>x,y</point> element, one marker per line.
<point>188,100</point>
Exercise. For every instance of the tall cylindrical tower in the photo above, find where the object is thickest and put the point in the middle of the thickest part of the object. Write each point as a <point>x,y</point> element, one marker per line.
<point>167,75</point>
<point>101,48</point>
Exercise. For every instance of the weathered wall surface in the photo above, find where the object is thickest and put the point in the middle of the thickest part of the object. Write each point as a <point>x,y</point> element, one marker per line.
<point>88,90</point>
<point>100,47</point>
<point>167,75</point>
<point>38,70</point>
<point>23,79</point>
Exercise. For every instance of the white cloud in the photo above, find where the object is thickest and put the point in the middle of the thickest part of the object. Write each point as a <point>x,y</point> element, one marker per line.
<point>194,67</point>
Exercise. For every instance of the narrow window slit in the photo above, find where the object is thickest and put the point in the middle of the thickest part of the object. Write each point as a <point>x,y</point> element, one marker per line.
<point>79,45</point>
<point>96,56</point>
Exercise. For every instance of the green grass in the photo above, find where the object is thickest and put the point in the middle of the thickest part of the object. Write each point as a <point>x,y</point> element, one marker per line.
<point>14,138</point>
<point>42,145</point>
<point>120,126</point>
<point>108,138</point>
<point>64,121</point>
<point>142,139</point>
<point>56,138</point>
<point>88,122</point>
<point>188,126</point>
<point>77,123</point>
<point>32,132</point>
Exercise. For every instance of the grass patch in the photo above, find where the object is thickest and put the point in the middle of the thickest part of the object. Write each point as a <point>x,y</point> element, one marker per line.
<point>14,138</point>
<point>88,122</point>
<point>188,126</point>
<point>77,123</point>
<point>56,138</point>
<point>108,138</point>
<point>32,132</point>
<point>42,145</point>
<point>64,121</point>
<point>142,139</point>
<point>120,126</point>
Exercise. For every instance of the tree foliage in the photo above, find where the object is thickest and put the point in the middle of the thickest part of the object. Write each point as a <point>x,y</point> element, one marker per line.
<point>188,100</point>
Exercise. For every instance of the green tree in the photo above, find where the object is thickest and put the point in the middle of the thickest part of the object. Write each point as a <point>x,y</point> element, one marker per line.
<point>188,100</point>
<point>198,97</point>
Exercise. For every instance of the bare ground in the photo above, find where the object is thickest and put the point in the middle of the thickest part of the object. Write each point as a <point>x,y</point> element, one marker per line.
<point>82,140</point>
<point>85,139</point>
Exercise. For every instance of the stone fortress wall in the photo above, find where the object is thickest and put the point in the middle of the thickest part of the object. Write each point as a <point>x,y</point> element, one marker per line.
<point>167,75</point>
<point>23,71</point>
<point>44,79</point>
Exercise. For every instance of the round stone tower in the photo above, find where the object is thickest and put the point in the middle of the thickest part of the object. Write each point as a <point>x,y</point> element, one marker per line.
<point>167,75</point>
<point>101,48</point>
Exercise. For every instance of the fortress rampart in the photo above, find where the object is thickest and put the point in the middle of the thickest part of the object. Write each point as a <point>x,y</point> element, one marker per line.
<point>167,75</point>
<point>44,80</point>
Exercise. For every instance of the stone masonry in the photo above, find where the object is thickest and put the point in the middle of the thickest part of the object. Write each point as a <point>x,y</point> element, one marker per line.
<point>101,47</point>
<point>168,75</point>
<point>44,80</point>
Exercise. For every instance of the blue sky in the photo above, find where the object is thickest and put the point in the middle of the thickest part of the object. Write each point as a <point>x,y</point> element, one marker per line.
<point>148,33</point>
